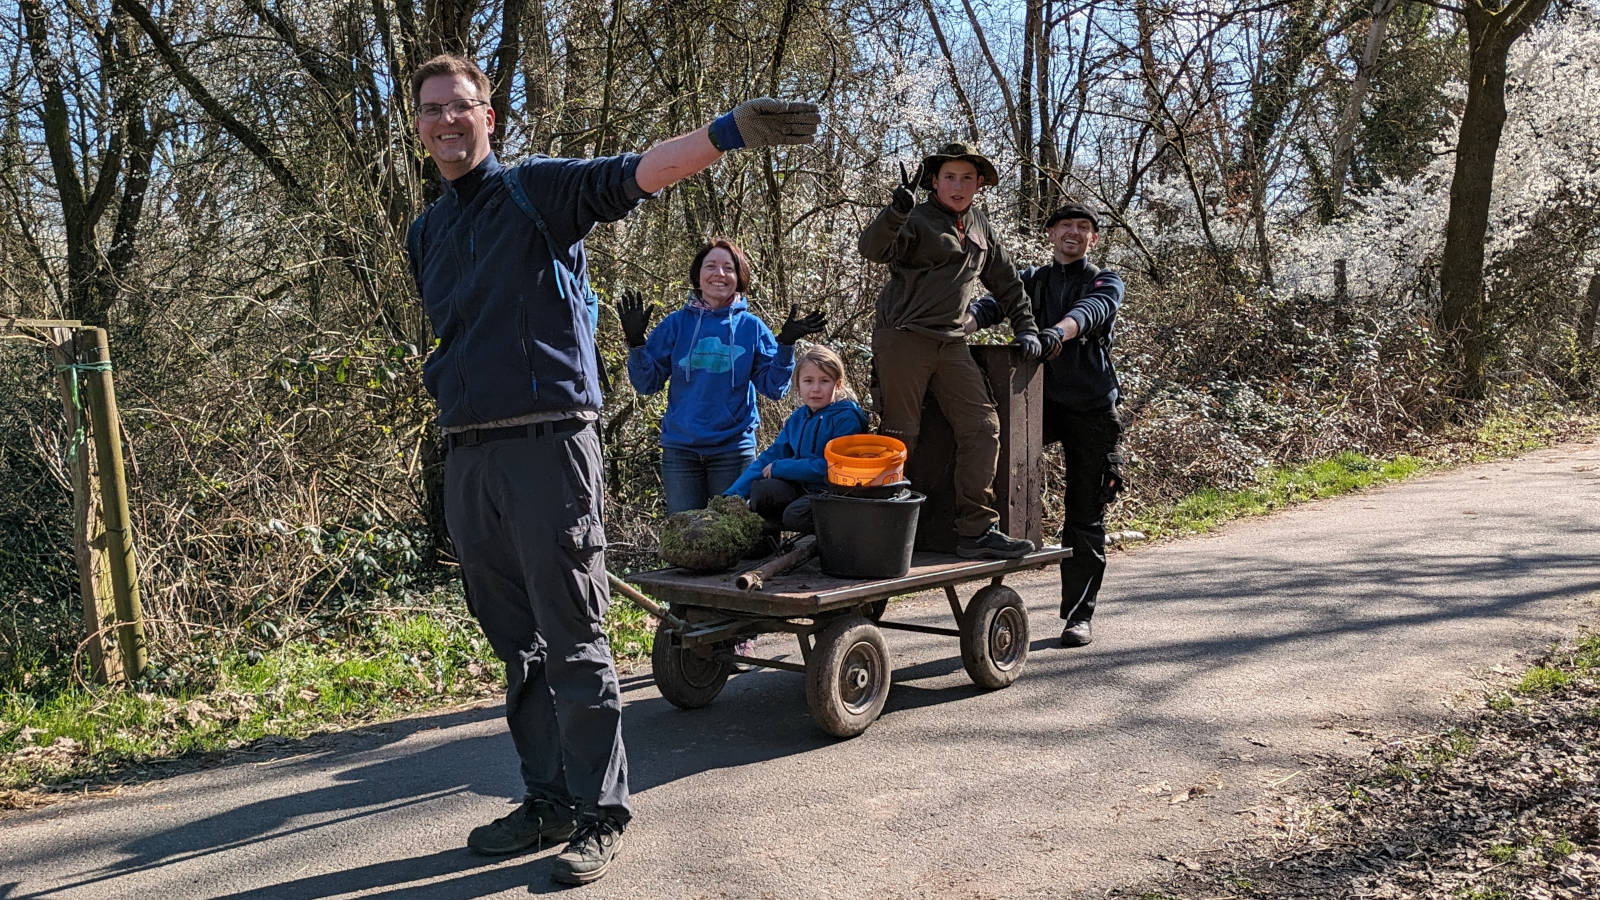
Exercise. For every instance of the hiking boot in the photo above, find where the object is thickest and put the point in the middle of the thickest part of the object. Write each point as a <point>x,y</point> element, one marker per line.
<point>586,859</point>
<point>1077,634</point>
<point>529,825</point>
<point>993,544</point>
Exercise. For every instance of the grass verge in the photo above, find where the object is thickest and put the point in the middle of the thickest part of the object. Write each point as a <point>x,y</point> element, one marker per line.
<point>1501,435</point>
<point>391,662</point>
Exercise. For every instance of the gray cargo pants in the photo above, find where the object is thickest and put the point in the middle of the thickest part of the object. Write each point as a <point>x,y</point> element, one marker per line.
<point>525,516</point>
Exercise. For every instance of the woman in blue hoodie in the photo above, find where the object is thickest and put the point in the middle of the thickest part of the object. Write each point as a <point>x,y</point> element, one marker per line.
<point>713,356</point>
<point>780,482</point>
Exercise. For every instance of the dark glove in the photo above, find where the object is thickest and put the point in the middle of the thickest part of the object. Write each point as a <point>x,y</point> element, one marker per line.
<point>904,195</point>
<point>1050,343</point>
<point>635,317</point>
<point>796,326</point>
<point>1111,483</point>
<point>764,122</point>
<point>1029,342</point>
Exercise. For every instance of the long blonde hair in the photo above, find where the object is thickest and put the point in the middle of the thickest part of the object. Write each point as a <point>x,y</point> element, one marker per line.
<point>831,365</point>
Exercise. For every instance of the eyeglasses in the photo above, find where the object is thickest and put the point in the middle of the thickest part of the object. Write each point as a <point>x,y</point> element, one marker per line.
<point>433,112</point>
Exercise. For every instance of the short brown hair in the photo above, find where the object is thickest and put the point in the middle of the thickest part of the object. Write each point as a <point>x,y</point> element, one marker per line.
<point>449,65</point>
<point>741,265</point>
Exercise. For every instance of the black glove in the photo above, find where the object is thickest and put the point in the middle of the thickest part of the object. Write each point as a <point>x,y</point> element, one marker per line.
<point>796,327</point>
<point>765,122</point>
<point>904,196</point>
<point>1050,343</point>
<point>1029,342</point>
<point>635,317</point>
<point>1111,483</point>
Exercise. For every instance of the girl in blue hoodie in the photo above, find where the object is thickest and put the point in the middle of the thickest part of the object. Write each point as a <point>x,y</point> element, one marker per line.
<point>780,482</point>
<point>713,356</point>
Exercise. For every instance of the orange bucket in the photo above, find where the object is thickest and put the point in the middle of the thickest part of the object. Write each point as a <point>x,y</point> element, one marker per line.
<point>861,460</point>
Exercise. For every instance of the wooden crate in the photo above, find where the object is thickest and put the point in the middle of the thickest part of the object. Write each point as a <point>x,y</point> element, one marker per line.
<point>1017,387</point>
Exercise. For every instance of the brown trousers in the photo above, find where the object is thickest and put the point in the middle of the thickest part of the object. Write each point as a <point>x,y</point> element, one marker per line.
<point>909,366</point>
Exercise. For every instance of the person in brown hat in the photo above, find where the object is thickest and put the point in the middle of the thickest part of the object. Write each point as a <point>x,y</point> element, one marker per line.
<point>938,251</point>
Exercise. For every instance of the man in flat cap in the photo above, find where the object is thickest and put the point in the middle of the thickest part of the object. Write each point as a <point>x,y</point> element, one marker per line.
<point>937,252</point>
<point>1080,303</point>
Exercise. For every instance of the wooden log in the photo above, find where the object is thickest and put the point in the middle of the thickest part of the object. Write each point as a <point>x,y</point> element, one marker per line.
<point>804,549</point>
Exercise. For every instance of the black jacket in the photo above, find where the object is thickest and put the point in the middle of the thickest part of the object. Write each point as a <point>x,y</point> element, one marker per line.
<point>1081,377</point>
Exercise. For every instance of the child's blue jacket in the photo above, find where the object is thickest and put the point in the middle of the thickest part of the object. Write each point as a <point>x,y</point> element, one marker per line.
<point>797,453</point>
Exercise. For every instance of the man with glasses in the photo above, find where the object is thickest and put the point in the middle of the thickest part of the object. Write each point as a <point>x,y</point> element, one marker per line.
<point>499,262</point>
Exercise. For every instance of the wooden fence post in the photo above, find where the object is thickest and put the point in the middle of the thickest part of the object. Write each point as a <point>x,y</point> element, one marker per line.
<point>94,575</point>
<point>107,432</point>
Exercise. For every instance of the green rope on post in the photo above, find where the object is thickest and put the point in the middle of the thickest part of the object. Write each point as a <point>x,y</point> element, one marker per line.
<point>80,437</point>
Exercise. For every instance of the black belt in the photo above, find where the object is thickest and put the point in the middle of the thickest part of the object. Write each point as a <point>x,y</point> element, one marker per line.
<point>475,436</point>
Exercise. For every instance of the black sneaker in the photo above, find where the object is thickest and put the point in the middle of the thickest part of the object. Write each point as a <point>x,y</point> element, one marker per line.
<point>993,544</point>
<point>1077,634</point>
<point>586,859</point>
<point>529,825</point>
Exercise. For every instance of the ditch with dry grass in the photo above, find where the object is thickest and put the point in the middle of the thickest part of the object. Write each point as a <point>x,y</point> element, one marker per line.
<point>1501,804</point>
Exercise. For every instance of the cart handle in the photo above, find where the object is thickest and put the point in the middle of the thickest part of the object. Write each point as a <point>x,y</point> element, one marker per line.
<point>645,603</point>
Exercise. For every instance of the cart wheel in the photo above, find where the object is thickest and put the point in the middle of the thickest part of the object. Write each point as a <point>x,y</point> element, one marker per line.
<point>689,680</point>
<point>994,637</point>
<point>847,678</point>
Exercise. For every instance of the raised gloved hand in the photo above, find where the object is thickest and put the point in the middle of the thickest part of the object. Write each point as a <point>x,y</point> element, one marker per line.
<point>904,195</point>
<point>797,326</point>
<point>765,122</point>
<point>635,317</point>
<point>1029,344</point>
<point>1049,343</point>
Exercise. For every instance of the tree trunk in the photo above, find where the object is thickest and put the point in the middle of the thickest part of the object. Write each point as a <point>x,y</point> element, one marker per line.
<point>1590,313</point>
<point>1463,313</point>
<point>1345,138</point>
<point>950,66</point>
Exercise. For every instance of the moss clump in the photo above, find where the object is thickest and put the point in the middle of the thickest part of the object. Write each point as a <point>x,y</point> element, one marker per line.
<point>711,539</point>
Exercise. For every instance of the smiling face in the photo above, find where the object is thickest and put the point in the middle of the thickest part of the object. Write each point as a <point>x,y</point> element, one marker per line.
<point>457,143</point>
<point>956,184</point>
<point>719,278</point>
<point>1072,239</point>
<point>816,386</point>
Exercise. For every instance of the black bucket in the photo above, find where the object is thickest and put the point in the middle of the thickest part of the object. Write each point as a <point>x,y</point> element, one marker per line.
<point>861,537</point>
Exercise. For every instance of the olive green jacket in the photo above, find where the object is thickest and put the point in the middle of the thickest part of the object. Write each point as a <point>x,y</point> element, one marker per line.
<point>932,270</point>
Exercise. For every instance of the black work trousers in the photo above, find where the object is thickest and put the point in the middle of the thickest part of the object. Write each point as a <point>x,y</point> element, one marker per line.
<point>783,503</point>
<point>1088,444</point>
<point>525,516</point>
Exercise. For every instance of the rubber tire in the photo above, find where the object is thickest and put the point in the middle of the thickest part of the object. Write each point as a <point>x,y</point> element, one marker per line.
<point>849,647</point>
<point>994,637</point>
<point>687,680</point>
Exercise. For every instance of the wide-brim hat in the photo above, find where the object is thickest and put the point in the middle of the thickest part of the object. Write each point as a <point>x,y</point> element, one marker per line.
<point>963,152</point>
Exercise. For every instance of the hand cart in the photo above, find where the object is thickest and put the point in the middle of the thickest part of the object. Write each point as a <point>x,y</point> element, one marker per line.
<point>838,623</point>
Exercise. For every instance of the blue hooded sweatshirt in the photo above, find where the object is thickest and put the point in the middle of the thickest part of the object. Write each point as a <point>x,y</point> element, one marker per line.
<point>712,361</point>
<point>797,453</point>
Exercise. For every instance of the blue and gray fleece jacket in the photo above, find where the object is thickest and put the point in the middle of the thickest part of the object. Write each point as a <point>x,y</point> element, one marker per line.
<point>712,362</point>
<point>797,453</point>
<point>509,343</point>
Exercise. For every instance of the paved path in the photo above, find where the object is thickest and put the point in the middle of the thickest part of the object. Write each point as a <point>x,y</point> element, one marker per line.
<point>1221,662</point>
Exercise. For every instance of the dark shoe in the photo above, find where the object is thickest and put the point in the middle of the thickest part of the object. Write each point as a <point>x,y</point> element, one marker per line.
<point>529,825</point>
<point>1077,634</point>
<point>586,859</point>
<point>993,544</point>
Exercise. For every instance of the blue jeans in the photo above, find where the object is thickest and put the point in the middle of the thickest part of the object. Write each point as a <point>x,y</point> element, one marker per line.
<point>690,478</point>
